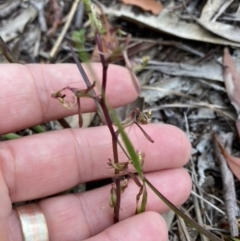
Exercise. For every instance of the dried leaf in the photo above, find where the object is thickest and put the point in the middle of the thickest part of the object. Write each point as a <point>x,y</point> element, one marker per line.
<point>232,83</point>
<point>17,25</point>
<point>210,70</point>
<point>210,9</point>
<point>226,31</point>
<point>148,5</point>
<point>170,23</point>
<point>213,9</point>
<point>233,162</point>
<point>232,80</point>
<point>7,7</point>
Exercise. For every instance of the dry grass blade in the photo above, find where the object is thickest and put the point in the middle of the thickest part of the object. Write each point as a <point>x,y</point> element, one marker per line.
<point>207,202</point>
<point>65,28</point>
<point>183,215</point>
<point>7,52</point>
<point>182,229</point>
<point>196,105</point>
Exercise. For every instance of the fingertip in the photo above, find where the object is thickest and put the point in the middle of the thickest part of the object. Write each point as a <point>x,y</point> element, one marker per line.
<point>181,142</point>
<point>171,143</point>
<point>123,82</point>
<point>174,184</point>
<point>145,226</point>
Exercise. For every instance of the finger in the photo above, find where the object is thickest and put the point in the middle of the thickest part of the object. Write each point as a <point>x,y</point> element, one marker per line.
<point>80,216</point>
<point>5,210</point>
<point>34,166</point>
<point>148,224</point>
<point>25,98</point>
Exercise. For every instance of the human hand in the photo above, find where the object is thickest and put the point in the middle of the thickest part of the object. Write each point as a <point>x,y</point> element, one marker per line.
<point>41,165</point>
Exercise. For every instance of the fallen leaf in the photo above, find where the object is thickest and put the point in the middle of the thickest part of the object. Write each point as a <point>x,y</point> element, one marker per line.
<point>170,23</point>
<point>148,5</point>
<point>232,83</point>
<point>233,162</point>
<point>223,30</point>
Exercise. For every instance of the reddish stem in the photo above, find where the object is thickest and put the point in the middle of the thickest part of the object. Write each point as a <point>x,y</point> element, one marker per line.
<point>110,125</point>
<point>104,64</point>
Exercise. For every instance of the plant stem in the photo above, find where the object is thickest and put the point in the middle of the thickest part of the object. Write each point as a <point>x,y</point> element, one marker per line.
<point>110,126</point>
<point>105,117</point>
<point>80,119</point>
<point>115,157</point>
<point>64,123</point>
<point>87,82</point>
<point>105,66</point>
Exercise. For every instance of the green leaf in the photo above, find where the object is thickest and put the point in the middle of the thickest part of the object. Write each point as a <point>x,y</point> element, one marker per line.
<point>11,136</point>
<point>94,17</point>
<point>79,36</point>
<point>37,129</point>
<point>130,149</point>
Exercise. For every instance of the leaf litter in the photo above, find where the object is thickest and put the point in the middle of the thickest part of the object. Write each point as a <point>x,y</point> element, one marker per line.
<point>190,80</point>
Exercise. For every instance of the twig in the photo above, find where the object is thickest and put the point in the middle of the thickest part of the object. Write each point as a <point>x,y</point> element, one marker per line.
<point>215,108</point>
<point>64,123</point>
<point>198,213</point>
<point>228,183</point>
<point>64,30</point>
<point>182,230</point>
<point>194,176</point>
<point>207,202</point>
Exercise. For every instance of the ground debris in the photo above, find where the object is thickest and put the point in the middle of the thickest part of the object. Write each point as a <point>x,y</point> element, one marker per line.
<point>182,81</point>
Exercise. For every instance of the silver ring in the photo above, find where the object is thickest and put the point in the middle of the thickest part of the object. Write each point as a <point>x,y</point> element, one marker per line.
<point>33,222</point>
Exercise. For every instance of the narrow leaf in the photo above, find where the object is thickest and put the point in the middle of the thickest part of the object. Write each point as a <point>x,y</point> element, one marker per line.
<point>4,49</point>
<point>128,145</point>
<point>11,136</point>
<point>186,218</point>
<point>38,129</point>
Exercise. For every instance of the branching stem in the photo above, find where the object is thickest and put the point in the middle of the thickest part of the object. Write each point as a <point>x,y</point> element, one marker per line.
<point>110,126</point>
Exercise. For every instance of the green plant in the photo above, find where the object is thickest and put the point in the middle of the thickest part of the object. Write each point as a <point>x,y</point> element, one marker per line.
<point>108,116</point>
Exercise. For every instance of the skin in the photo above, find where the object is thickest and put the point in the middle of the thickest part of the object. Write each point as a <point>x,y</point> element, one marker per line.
<point>41,165</point>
